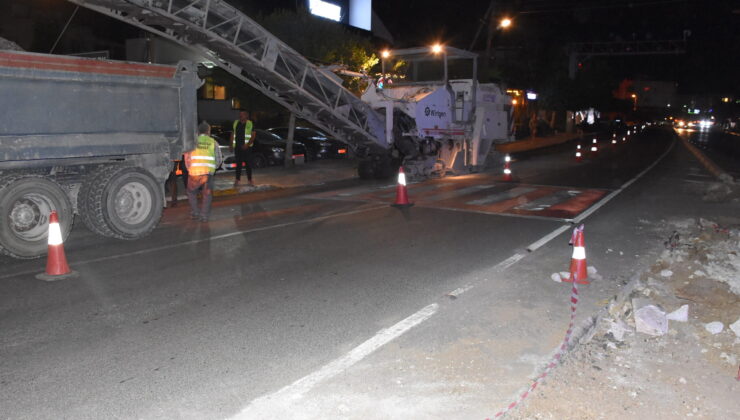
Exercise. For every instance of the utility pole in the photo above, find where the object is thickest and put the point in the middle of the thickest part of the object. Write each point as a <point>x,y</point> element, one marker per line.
<point>487,21</point>
<point>289,162</point>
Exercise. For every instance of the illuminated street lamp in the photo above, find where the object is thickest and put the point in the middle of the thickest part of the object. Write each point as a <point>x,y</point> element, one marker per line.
<point>505,23</point>
<point>436,48</point>
<point>385,53</point>
<point>634,101</point>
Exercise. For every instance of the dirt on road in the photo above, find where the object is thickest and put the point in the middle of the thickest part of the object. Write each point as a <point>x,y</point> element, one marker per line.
<point>675,370</point>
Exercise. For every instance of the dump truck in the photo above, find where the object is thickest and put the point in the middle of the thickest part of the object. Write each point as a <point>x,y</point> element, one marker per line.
<point>88,137</point>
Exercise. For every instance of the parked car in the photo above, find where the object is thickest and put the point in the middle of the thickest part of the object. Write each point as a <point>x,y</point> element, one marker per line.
<point>268,149</point>
<point>224,143</point>
<point>318,144</point>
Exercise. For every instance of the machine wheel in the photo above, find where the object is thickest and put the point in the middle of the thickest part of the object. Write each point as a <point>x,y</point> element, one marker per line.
<point>25,205</point>
<point>366,169</point>
<point>383,168</point>
<point>121,202</point>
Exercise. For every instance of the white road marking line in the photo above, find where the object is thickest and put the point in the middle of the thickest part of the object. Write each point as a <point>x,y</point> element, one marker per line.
<point>547,238</point>
<point>262,407</point>
<point>460,290</point>
<point>196,241</point>
<point>503,265</point>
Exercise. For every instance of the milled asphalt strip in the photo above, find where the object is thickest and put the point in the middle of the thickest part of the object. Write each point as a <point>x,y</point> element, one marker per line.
<point>270,405</point>
<point>196,241</point>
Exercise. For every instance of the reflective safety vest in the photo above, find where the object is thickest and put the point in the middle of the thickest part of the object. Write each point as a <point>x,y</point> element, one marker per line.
<point>203,157</point>
<point>248,128</point>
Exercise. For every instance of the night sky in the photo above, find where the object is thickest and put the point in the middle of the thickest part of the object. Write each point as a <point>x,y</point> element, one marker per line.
<point>713,46</point>
<point>541,27</point>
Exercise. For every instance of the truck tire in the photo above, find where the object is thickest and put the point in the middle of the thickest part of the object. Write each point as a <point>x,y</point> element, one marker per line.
<point>25,205</point>
<point>366,169</point>
<point>86,204</point>
<point>121,202</point>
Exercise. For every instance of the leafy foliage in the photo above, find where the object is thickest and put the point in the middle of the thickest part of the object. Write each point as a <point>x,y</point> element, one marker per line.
<point>323,42</point>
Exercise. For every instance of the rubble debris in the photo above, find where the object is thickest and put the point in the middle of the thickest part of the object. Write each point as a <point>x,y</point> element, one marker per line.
<point>681,314</point>
<point>617,329</point>
<point>703,265</point>
<point>729,358</point>
<point>593,273</point>
<point>715,327</point>
<point>666,273</point>
<point>735,327</point>
<point>650,320</point>
<point>672,241</point>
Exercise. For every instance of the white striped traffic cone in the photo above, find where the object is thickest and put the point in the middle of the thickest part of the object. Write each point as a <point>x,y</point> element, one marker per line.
<point>507,169</point>
<point>56,262</point>
<point>578,268</point>
<point>402,198</point>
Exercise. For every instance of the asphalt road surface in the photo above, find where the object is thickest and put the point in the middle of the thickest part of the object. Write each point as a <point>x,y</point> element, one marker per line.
<point>203,321</point>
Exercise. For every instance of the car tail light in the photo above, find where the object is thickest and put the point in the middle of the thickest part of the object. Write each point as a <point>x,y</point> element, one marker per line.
<point>297,156</point>
<point>342,151</point>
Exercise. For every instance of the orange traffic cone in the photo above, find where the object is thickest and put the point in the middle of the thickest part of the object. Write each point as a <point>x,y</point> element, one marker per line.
<point>579,154</point>
<point>578,269</point>
<point>507,169</point>
<point>402,198</point>
<point>56,262</point>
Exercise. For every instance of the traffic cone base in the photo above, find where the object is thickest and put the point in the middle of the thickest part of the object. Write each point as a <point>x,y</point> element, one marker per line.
<point>56,277</point>
<point>56,261</point>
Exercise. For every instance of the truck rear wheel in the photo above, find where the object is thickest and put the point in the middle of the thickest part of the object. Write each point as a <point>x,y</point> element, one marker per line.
<point>25,205</point>
<point>121,202</point>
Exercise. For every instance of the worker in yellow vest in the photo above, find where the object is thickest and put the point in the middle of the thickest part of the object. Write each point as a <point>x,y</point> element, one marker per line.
<point>242,139</point>
<point>202,163</point>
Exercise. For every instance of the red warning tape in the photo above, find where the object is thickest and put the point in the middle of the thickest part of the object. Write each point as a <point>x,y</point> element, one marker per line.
<point>556,359</point>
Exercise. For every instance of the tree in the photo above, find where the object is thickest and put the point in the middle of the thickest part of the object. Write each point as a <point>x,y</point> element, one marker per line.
<point>323,42</point>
